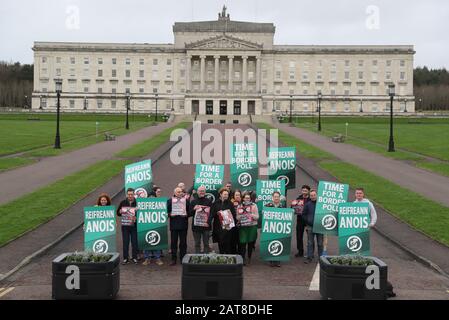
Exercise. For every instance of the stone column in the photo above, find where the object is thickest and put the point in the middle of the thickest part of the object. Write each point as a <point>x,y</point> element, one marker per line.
<point>217,73</point>
<point>258,67</point>
<point>188,73</point>
<point>231,73</point>
<point>202,72</point>
<point>245,74</point>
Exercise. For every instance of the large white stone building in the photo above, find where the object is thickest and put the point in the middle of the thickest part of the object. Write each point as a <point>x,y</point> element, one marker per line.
<point>222,67</point>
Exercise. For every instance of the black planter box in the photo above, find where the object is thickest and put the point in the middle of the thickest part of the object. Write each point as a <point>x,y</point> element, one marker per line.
<point>212,281</point>
<point>348,282</point>
<point>98,280</point>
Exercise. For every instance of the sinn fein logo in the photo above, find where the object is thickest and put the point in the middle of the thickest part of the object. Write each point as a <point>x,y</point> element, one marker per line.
<point>210,196</point>
<point>275,248</point>
<point>141,193</point>
<point>329,222</point>
<point>354,243</point>
<point>287,180</point>
<point>245,179</point>
<point>153,238</point>
<point>100,246</point>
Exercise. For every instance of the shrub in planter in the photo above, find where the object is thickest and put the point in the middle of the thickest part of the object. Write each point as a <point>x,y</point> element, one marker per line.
<point>212,276</point>
<point>99,275</point>
<point>344,277</point>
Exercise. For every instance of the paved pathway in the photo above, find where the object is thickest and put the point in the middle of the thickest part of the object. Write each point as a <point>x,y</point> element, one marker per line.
<point>431,185</point>
<point>18,182</point>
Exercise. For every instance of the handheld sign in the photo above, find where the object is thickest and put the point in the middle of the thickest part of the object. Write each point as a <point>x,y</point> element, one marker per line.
<point>275,240</point>
<point>202,215</point>
<point>329,196</point>
<point>265,189</point>
<point>128,216</point>
<point>139,177</point>
<point>152,221</point>
<point>282,165</point>
<point>99,229</point>
<point>244,167</point>
<point>211,177</point>
<point>353,228</point>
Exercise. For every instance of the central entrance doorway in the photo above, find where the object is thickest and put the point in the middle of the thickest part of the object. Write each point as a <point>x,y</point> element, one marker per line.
<point>223,107</point>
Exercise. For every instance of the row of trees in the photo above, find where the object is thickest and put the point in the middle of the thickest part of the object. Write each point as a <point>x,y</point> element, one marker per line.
<point>431,86</point>
<point>431,89</point>
<point>16,84</point>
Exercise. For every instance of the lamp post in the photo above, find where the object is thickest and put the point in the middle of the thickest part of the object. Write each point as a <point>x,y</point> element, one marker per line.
<point>391,92</point>
<point>156,96</point>
<point>127,95</point>
<point>405,105</point>
<point>58,88</point>
<point>291,106</point>
<point>420,104</point>
<point>40,102</point>
<point>85,103</point>
<point>320,96</point>
<point>26,102</point>
<point>361,105</point>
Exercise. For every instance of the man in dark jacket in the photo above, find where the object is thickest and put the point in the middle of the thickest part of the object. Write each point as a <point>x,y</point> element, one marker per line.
<point>298,205</point>
<point>200,210</point>
<point>126,210</point>
<point>308,214</point>
<point>178,209</point>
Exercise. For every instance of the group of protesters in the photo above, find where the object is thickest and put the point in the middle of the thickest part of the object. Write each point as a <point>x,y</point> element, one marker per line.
<point>232,222</point>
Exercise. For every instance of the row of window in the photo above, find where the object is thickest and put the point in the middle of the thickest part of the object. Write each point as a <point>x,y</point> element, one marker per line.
<point>333,107</point>
<point>127,61</point>
<point>278,63</point>
<point>210,75</point>
<point>99,104</point>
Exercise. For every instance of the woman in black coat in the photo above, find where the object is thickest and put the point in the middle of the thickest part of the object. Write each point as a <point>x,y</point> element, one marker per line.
<point>223,229</point>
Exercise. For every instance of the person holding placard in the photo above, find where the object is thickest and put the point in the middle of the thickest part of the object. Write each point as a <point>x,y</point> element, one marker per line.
<point>103,200</point>
<point>223,213</point>
<point>178,207</point>
<point>309,215</point>
<point>298,205</point>
<point>127,212</point>
<point>200,210</point>
<point>153,254</point>
<point>360,197</point>
<point>247,216</point>
<point>275,203</point>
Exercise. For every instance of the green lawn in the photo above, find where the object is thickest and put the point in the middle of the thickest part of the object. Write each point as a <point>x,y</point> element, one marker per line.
<point>35,138</point>
<point>425,215</point>
<point>415,138</point>
<point>426,136</point>
<point>31,210</point>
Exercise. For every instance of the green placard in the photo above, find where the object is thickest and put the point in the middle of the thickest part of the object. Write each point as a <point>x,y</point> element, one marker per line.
<point>99,229</point>
<point>276,234</point>
<point>353,228</point>
<point>139,177</point>
<point>152,222</point>
<point>244,166</point>
<point>329,196</point>
<point>265,189</point>
<point>211,176</point>
<point>282,165</point>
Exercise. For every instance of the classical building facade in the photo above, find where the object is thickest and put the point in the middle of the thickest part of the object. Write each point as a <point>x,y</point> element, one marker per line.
<point>222,67</point>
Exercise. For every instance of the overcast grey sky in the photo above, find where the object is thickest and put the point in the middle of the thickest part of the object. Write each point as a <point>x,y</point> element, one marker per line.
<point>422,23</point>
